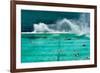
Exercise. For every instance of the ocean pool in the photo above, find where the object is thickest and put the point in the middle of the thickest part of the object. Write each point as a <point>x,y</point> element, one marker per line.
<point>49,47</point>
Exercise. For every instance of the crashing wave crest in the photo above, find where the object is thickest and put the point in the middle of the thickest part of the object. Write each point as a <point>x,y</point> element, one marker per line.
<point>65,25</point>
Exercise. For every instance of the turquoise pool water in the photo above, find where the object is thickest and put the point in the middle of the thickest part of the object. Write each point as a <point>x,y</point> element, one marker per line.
<point>47,47</point>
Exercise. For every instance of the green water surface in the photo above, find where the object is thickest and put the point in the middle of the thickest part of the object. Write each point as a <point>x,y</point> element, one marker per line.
<point>48,47</point>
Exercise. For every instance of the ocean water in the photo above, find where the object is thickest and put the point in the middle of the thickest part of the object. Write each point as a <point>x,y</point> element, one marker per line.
<point>49,47</point>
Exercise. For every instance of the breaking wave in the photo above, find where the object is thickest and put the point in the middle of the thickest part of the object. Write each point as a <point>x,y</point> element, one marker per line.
<point>80,26</point>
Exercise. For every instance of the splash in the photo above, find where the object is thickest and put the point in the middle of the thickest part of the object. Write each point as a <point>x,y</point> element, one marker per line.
<point>41,27</point>
<point>80,26</point>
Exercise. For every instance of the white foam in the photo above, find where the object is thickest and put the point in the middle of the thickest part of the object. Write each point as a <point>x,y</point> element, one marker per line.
<point>80,26</point>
